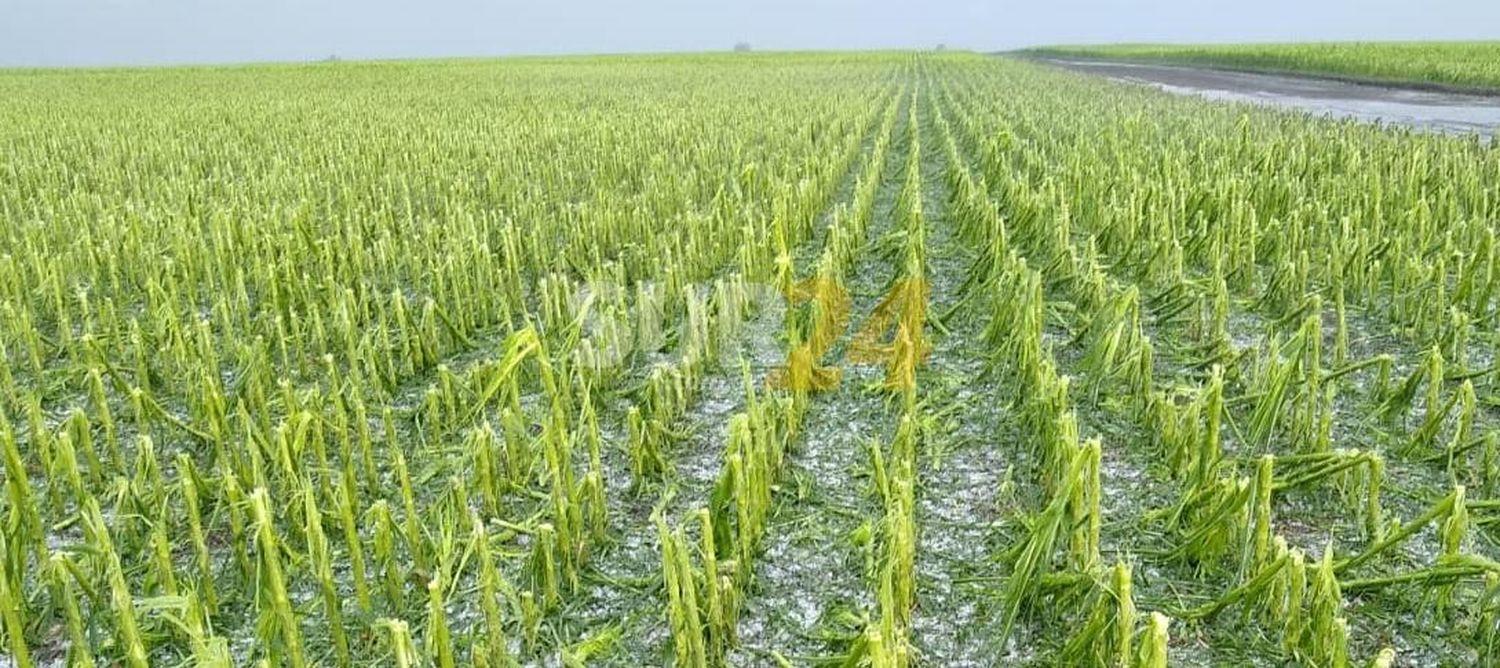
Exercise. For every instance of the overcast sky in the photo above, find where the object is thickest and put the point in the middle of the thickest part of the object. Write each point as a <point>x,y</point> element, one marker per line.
<point>110,32</point>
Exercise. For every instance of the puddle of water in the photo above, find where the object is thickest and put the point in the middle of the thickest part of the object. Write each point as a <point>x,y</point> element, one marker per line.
<point>1451,113</point>
<point>1443,118</point>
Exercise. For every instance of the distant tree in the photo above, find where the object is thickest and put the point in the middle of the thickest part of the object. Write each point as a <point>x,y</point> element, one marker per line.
<point>332,58</point>
<point>942,47</point>
<point>741,46</point>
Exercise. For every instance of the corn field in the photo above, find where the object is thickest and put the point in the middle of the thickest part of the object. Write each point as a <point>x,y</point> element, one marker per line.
<point>875,359</point>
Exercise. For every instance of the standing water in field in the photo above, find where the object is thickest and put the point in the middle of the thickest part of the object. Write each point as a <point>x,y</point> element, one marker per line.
<point>1431,111</point>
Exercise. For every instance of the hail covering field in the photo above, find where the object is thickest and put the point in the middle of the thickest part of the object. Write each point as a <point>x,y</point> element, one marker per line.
<point>860,359</point>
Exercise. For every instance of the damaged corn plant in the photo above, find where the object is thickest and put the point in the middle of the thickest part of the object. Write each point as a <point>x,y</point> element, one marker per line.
<point>860,359</point>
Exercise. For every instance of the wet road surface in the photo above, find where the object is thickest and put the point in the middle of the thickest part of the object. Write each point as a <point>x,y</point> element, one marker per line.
<point>1454,113</point>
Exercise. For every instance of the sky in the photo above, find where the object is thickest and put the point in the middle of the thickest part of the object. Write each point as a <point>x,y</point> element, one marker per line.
<point>155,32</point>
